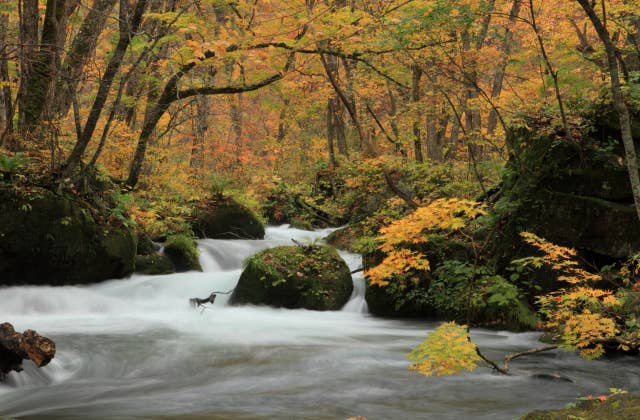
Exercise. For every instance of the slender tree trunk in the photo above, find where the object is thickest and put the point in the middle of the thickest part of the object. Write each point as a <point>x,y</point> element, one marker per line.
<point>498,77</point>
<point>471,111</point>
<point>454,140</point>
<point>6,101</point>
<point>550,69</point>
<point>393,114</point>
<point>82,49</point>
<point>235,114</point>
<point>282,121</point>
<point>350,106</point>
<point>331,131</point>
<point>337,110</point>
<point>29,16</point>
<point>416,73</point>
<point>618,101</point>
<point>128,27</point>
<point>201,126</point>
<point>36,98</point>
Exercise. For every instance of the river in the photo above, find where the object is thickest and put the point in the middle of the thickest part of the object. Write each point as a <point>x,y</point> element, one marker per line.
<point>134,348</point>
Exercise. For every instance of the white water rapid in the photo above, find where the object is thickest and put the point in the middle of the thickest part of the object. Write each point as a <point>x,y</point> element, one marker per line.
<point>134,348</point>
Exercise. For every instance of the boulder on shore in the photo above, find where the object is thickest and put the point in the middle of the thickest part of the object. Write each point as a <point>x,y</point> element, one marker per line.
<point>310,277</point>
<point>16,347</point>
<point>183,252</point>
<point>47,238</point>
<point>221,217</point>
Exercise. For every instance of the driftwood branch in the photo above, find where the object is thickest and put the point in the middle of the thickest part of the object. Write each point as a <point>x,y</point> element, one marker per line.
<point>16,347</point>
<point>513,356</point>
<point>198,302</point>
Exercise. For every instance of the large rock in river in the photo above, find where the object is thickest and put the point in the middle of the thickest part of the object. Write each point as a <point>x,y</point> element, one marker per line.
<point>574,193</point>
<point>311,277</point>
<point>222,217</point>
<point>53,239</point>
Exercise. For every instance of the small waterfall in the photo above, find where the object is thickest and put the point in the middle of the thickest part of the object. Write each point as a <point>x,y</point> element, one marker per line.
<point>357,302</point>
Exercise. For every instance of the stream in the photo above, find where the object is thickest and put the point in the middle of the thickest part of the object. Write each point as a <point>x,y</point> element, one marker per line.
<point>134,348</point>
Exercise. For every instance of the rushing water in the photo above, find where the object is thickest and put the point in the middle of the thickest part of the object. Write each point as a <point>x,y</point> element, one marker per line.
<point>134,348</point>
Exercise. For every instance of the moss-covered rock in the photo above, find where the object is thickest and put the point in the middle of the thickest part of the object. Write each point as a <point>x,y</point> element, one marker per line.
<point>146,246</point>
<point>154,264</point>
<point>183,252</point>
<point>53,239</point>
<point>573,193</point>
<point>222,217</point>
<point>622,406</point>
<point>313,277</point>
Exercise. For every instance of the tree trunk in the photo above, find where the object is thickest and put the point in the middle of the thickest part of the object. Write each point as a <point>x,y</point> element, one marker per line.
<point>416,73</point>
<point>29,17</point>
<point>36,100</point>
<point>82,49</point>
<point>6,101</point>
<point>331,131</point>
<point>550,69</point>
<point>498,77</point>
<point>282,121</point>
<point>201,126</point>
<point>128,27</point>
<point>618,101</point>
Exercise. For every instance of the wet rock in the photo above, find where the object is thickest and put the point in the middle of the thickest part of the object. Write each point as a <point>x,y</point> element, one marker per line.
<point>222,217</point>
<point>622,406</point>
<point>183,253</point>
<point>550,377</point>
<point>155,264</point>
<point>310,277</point>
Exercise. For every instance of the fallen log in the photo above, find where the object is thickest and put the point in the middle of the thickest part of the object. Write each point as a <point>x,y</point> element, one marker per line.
<point>16,347</point>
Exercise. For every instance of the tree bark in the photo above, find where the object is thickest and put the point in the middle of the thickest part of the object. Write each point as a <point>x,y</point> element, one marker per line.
<point>29,17</point>
<point>82,49</point>
<point>416,75</point>
<point>498,78</point>
<point>128,27</point>
<point>6,101</point>
<point>201,126</point>
<point>331,131</point>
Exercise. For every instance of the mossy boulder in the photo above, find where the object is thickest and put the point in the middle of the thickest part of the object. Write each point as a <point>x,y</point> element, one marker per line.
<point>146,246</point>
<point>622,406</point>
<point>222,217</point>
<point>154,264</point>
<point>46,238</point>
<point>310,277</point>
<point>575,193</point>
<point>183,252</point>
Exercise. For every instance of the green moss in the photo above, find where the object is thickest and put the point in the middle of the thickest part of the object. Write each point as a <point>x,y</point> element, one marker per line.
<point>313,277</point>
<point>145,245</point>
<point>225,218</point>
<point>183,252</point>
<point>47,238</point>
<point>153,264</point>
<point>622,406</point>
